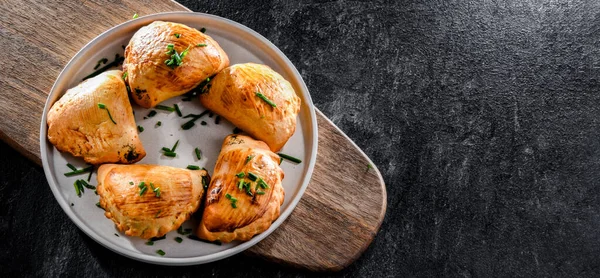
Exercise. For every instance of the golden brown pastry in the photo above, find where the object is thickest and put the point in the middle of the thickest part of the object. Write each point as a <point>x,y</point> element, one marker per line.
<point>149,200</point>
<point>94,120</point>
<point>239,207</point>
<point>154,72</point>
<point>233,95</point>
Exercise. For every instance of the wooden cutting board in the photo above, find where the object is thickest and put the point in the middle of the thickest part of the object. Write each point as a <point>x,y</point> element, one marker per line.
<point>336,219</point>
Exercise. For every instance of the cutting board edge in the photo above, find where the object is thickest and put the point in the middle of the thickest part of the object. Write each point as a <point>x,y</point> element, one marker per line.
<point>15,146</point>
<point>182,6</point>
<point>383,193</point>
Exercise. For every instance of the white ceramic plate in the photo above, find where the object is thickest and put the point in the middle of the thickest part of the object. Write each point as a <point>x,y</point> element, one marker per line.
<point>242,45</point>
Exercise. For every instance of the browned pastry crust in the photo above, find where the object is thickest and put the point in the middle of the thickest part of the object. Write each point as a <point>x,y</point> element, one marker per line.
<point>149,215</point>
<point>151,80</point>
<point>77,125</point>
<point>233,95</point>
<point>253,214</point>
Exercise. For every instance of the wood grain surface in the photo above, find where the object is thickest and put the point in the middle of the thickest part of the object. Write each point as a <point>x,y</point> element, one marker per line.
<point>342,208</point>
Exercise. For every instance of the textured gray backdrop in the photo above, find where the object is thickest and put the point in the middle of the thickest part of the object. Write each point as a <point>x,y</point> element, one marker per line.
<point>482,116</point>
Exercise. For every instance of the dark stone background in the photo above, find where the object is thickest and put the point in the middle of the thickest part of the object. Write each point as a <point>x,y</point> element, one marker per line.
<point>483,117</point>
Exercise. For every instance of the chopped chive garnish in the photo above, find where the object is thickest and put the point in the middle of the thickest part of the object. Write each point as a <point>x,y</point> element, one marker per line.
<point>280,160</point>
<point>80,185</point>
<point>160,252</point>
<point>248,158</point>
<point>241,184</point>
<point>240,175</point>
<point>217,119</point>
<point>232,199</point>
<point>87,185</point>
<point>135,15</point>
<point>193,167</point>
<point>369,166</point>
<point>80,171</point>
<point>198,154</point>
<point>100,62</point>
<point>175,146</point>
<point>249,192</point>
<point>194,117</point>
<point>159,123</point>
<point>149,242</point>
<point>188,125</point>
<point>90,176</point>
<point>170,154</point>
<point>175,58</point>
<point>125,76</point>
<point>77,188</point>
<point>177,35</point>
<point>203,123</point>
<point>210,114</point>
<point>143,190</point>
<point>252,176</point>
<point>236,130</point>
<point>118,60</point>
<point>165,108</point>
<point>262,184</point>
<point>98,205</point>
<point>140,128</point>
<point>177,110</point>
<point>263,97</point>
<point>117,235</point>
<point>157,192</point>
<point>131,183</point>
<point>203,30</point>
<point>178,239</point>
<point>185,52</point>
<point>71,167</point>
<point>151,114</point>
<point>290,158</point>
<point>102,106</point>
<point>201,45</point>
<point>260,192</point>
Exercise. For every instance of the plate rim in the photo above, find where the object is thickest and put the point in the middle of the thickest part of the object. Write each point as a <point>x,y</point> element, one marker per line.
<point>172,16</point>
